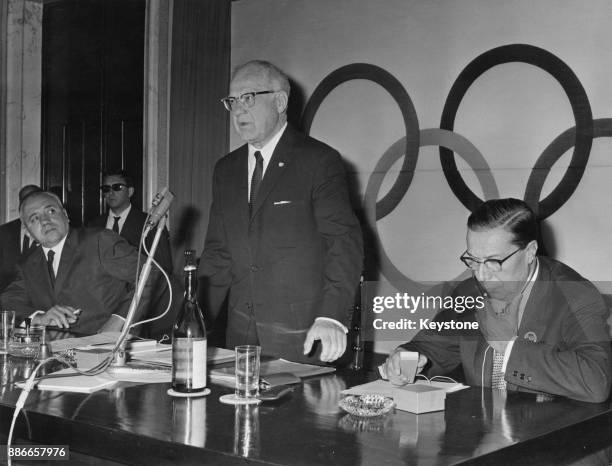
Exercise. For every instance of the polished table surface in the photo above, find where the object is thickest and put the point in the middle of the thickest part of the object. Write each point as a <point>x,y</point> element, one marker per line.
<point>141,424</point>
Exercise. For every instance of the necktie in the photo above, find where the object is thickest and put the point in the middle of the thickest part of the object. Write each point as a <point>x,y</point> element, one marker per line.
<point>497,379</point>
<point>256,179</point>
<point>116,224</point>
<point>50,256</point>
<point>25,247</point>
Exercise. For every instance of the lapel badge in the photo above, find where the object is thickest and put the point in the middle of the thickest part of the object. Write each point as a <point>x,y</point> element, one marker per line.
<point>281,164</point>
<point>531,336</point>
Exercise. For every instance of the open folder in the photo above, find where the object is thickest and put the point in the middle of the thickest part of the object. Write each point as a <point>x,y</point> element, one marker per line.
<point>272,373</point>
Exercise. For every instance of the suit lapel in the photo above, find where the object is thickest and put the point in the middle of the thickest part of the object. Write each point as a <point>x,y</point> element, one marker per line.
<point>534,318</point>
<point>281,158</point>
<point>39,271</point>
<point>131,230</point>
<point>68,254</point>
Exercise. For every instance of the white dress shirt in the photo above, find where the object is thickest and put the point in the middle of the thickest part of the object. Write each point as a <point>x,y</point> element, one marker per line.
<point>57,249</point>
<point>266,153</point>
<point>110,220</point>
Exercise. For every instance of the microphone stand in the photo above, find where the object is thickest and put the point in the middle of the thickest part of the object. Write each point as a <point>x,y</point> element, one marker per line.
<point>119,349</point>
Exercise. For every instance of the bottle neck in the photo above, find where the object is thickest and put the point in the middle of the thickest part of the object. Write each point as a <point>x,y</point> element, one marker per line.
<point>190,284</point>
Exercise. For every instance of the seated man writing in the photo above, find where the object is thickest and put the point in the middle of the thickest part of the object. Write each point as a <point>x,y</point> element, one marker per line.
<point>542,327</point>
<point>82,279</point>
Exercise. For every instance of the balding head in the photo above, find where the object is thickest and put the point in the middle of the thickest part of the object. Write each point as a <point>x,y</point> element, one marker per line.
<point>260,94</point>
<point>267,71</point>
<point>45,218</point>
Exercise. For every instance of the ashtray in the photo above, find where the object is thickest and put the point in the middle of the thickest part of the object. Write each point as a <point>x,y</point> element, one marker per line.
<point>25,343</point>
<point>370,405</point>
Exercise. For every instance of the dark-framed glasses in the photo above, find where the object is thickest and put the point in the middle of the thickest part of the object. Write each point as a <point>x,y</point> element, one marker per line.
<point>493,265</point>
<point>247,100</point>
<point>106,188</point>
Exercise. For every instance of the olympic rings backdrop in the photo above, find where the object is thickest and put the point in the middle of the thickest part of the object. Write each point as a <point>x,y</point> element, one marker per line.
<point>579,138</point>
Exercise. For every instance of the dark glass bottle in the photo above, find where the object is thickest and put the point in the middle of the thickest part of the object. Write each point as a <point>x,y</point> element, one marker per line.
<point>189,337</point>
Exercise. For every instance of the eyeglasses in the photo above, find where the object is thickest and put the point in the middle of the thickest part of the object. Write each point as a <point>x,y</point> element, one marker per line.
<point>493,265</point>
<point>106,188</point>
<point>247,100</point>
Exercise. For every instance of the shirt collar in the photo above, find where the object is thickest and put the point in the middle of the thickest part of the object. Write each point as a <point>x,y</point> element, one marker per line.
<point>124,213</point>
<point>268,149</point>
<point>57,249</point>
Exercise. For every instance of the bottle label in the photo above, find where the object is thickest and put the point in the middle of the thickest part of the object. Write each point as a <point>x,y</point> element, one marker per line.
<point>189,362</point>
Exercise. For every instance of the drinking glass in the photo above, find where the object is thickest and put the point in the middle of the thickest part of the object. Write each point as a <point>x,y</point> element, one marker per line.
<point>7,323</point>
<point>247,371</point>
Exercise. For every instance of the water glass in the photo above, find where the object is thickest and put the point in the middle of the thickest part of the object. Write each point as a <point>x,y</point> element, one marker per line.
<point>7,323</point>
<point>247,371</point>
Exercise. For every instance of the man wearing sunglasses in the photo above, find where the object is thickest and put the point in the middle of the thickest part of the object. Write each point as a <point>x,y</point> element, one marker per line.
<point>542,327</point>
<point>282,236</point>
<point>123,218</point>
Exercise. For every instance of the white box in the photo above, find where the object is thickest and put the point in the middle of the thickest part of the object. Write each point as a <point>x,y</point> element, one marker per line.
<point>419,398</point>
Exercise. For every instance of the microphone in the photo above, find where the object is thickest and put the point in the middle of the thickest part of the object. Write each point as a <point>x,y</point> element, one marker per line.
<point>161,204</point>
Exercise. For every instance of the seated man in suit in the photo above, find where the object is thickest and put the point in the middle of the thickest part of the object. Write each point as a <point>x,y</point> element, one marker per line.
<point>91,271</point>
<point>118,188</point>
<point>542,327</point>
<point>15,243</point>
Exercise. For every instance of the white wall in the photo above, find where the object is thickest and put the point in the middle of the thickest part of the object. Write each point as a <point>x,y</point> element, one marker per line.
<point>511,113</point>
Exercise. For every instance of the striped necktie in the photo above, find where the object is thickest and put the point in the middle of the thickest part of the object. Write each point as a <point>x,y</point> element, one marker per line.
<point>497,376</point>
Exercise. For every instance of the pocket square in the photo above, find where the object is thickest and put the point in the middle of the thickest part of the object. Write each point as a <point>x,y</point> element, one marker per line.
<point>282,202</point>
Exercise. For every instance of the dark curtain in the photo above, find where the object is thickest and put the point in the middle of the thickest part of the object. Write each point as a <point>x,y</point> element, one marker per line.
<point>198,122</point>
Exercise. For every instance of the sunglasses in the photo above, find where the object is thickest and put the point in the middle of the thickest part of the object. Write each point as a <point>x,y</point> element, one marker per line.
<point>106,188</point>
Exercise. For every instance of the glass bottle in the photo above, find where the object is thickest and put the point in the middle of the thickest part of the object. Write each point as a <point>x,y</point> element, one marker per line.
<point>189,337</point>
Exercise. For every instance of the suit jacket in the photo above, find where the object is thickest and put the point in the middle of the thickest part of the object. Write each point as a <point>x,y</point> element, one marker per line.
<point>96,273</point>
<point>565,315</point>
<point>131,231</point>
<point>10,251</point>
<point>297,257</point>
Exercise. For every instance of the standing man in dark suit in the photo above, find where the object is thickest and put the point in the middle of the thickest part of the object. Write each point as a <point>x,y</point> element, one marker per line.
<point>82,279</point>
<point>282,237</point>
<point>118,188</point>
<point>15,242</point>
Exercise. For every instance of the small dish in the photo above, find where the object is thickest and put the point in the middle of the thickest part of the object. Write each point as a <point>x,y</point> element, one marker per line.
<point>370,405</point>
<point>25,342</point>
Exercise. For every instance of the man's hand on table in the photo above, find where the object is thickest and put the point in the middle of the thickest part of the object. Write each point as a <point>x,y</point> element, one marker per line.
<point>59,316</point>
<point>333,339</point>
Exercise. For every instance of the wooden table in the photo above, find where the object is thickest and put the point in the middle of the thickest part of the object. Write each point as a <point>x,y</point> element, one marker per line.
<point>141,424</point>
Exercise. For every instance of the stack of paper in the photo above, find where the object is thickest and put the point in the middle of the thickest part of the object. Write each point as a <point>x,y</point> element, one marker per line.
<point>59,346</point>
<point>163,355</point>
<point>63,382</point>
<point>226,375</point>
